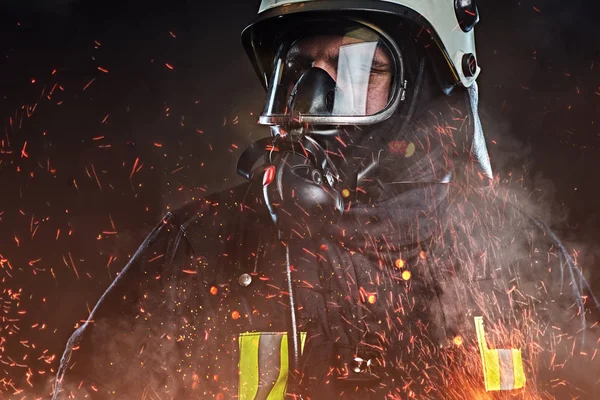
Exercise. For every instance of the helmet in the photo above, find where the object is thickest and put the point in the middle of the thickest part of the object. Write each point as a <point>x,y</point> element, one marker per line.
<point>447,24</point>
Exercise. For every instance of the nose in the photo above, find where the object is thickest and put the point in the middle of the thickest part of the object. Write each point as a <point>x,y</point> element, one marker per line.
<point>313,93</point>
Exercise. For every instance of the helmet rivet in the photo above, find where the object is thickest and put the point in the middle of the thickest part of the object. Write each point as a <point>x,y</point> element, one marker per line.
<point>466,14</point>
<point>245,280</point>
<point>469,65</point>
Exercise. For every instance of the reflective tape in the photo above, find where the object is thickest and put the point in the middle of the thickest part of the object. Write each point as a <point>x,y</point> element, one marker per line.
<point>502,368</point>
<point>263,365</point>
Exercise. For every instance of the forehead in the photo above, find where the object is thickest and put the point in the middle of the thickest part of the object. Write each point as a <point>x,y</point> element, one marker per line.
<point>328,45</point>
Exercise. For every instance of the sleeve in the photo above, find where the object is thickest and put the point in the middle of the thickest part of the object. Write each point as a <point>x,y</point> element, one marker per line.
<point>568,363</point>
<point>98,362</point>
<point>552,310</point>
<point>535,303</point>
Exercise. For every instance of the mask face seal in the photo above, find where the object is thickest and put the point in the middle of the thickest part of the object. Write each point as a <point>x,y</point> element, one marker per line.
<point>342,73</point>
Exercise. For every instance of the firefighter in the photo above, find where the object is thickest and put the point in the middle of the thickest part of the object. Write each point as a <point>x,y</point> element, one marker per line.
<point>369,255</point>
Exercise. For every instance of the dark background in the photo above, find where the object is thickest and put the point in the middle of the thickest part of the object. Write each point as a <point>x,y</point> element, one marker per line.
<point>112,112</point>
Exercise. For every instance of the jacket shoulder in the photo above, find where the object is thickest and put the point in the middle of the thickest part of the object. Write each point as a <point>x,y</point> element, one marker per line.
<point>210,204</point>
<point>171,268</point>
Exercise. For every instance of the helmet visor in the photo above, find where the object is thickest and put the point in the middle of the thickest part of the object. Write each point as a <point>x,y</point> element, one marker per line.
<point>347,74</point>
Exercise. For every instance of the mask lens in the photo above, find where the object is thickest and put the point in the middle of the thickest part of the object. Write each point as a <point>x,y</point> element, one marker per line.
<point>347,73</point>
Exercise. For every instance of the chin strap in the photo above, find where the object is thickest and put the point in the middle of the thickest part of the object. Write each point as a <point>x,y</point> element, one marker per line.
<point>478,147</point>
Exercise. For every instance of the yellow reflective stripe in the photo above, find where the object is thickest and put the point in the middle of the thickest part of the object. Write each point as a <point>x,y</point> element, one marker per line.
<point>482,347</point>
<point>278,391</point>
<point>518,369</point>
<point>302,340</point>
<point>249,368</point>
<point>248,384</point>
<point>492,368</point>
<point>490,359</point>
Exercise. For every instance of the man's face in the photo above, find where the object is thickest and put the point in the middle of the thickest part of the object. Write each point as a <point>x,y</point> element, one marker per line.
<point>360,67</point>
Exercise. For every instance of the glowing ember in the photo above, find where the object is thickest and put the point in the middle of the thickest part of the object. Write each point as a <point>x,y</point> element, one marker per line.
<point>458,340</point>
<point>269,175</point>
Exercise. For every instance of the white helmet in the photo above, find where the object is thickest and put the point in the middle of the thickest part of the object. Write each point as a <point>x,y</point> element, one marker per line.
<point>449,22</point>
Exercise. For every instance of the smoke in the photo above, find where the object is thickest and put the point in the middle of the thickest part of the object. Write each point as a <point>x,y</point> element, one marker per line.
<point>525,251</point>
<point>135,357</point>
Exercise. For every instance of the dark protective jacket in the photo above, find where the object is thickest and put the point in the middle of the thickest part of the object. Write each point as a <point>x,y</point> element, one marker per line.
<point>199,310</point>
<point>438,291</point>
